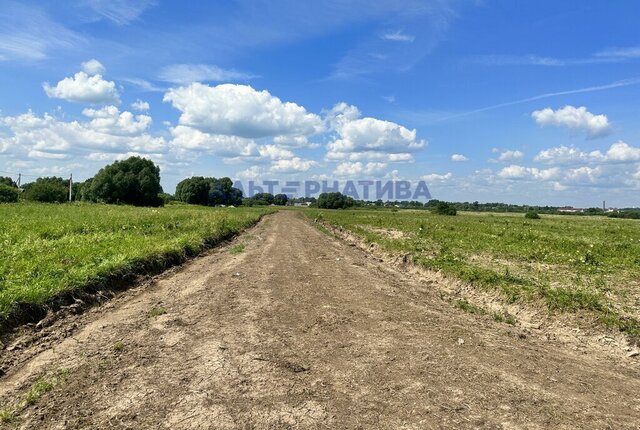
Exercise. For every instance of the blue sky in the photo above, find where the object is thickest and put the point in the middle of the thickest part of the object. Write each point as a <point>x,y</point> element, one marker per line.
<point>524,102</point>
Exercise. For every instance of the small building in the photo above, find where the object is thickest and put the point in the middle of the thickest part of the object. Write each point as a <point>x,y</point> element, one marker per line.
<point>570,210</point>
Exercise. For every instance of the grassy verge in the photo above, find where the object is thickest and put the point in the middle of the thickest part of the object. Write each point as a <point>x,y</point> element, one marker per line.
<point>48,251</point>
<point>568,264</point>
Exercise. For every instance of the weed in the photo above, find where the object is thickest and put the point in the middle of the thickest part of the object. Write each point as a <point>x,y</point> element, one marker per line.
<point>237,249</point>
<point>156,312</point>
<point>38,389</point>
<point>7,415</point>
<point>118,346</point>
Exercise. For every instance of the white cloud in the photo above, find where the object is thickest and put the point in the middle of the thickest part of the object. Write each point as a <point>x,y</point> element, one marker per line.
<point>185,74</point>
<point>223,145</point>
<point>434,177</point>
<point>358,168</point>
<point>519,172</point>
<point>239,110</point>
<point>111,121</point>
<point>398,36</point>
<point>619,152</point>
<point>83,88</point>
<point>140,106</point>
<point>576,118</point>
<point>509,155</point>
<point>49,137</point>
<point>458,157</point>
<point>292,165</point>
<point>368,138</point>
<point>253,172</point>
<point>93,67</point>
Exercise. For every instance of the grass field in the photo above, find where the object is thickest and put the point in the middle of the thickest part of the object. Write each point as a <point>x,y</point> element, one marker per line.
<point>567,263</point>
<point>49,249</point>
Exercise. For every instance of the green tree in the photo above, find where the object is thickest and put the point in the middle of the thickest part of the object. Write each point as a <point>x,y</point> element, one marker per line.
<point>444,208</point>
<point>5,180</point>
<point>334,201</point>
<point>134,181</point>
<point>263,198</point>
<point>47,190</point>
<point>8,194</point>
<point>193,190</point>
<point>280,199</point>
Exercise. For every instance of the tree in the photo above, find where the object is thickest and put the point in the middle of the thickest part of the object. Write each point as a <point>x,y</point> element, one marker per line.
<point>47,190</point>
<point>263,198</point>
<point>193,190</point>
<point>208,191</point>
<point>134,181</point>
<point>334,201</point>
<point>8,194</point>
<point>280,199</point>
<point>5,180</point>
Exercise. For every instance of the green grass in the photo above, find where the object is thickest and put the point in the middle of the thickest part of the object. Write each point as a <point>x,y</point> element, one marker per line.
<point>156,312</point>
<point>237,249</point>
<point>568,264</point>
<point>46,250</point>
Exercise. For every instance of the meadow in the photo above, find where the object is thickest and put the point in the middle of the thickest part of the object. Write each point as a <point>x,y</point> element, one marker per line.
<point>50,249</point>
<point>564,263</point>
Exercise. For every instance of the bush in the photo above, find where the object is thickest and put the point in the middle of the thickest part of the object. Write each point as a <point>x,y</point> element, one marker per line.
<point>8,194</point>
<point>444,208</point>
<point>47,190</point>
<point>334,201</point>
<point>134,181</point>
<point>532,215</point>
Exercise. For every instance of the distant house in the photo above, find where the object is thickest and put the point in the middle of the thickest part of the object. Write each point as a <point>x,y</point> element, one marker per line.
<point>570,210</point>
<point>302,204</point>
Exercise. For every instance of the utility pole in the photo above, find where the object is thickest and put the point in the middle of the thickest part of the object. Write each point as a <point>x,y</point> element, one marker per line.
<point>19,177</point>
<point>70,185</point>
<point>604,206</point>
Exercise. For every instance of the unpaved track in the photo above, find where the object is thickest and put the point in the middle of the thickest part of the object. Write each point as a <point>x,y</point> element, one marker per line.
<point>303,331</point>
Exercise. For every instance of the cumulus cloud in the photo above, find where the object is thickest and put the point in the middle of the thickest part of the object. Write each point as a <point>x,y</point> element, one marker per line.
<point>110,120</point>
<point>240,110</point>
<point>292,165</point>
<point>140,106</point>
<point>107,130</point>
<point>82,88</point>
<point>619,152</point>
<point>356,169</point>
<point>184,74</point>
<point>575,118</point>
<point>510,156</point>
<point>458,157</point>
<point>189,138</point>
<point>519,172</point>
<point>435,177</point>
<point>369,138</point>
<point>93,67</point>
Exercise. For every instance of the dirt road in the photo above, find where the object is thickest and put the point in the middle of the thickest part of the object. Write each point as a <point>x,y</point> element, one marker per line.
<point>303,331</point>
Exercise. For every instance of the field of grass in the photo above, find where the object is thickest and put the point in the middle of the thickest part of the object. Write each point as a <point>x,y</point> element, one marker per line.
<point>46,250</point>
<point>567,263</point>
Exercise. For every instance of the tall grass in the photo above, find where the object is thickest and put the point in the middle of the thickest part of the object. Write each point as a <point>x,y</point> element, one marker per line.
<point>568,263</point>
<point>49,249</point>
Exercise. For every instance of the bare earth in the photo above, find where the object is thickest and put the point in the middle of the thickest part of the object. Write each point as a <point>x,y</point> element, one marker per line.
<point>303,331</point>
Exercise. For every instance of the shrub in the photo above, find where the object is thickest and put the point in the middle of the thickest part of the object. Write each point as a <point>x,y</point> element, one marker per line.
<point>47,190</point>
<point>8,194</point>
<point>208,191</point>
<point>532,215</point>
<point>444,208</point>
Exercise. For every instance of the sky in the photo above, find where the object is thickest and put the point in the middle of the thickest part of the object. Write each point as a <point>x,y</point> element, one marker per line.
<point>528,102</point>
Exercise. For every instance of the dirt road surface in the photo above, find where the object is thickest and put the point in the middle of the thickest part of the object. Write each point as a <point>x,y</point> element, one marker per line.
<point>303,331</point>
